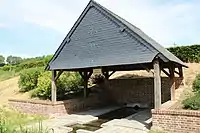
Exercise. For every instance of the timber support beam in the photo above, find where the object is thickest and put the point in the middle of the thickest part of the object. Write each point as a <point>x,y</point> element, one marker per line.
<point>172,81</point>
<point>53,87</point>
<point>86,75</point>
<point>107,74</point>
<point>157,84</point>
<point>58,75</point>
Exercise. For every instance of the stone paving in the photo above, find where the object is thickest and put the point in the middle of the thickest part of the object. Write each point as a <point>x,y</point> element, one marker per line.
<point>136,123</point>
<point>61,124</point>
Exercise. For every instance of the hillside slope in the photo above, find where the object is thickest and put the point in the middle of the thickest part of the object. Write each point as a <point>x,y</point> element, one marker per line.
<point>9,89</point>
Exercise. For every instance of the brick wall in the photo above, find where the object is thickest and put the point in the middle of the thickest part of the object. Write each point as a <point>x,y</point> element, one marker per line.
<point>118,91</point>
<point>53,109</point>
<point>137,90</point>
<point>176,121</point>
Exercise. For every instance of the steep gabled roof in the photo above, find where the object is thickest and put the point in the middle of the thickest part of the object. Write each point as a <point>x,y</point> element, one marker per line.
<point>101,38</point>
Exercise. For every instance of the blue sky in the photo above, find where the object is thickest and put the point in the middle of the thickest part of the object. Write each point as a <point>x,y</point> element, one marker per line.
<point>37,27</point>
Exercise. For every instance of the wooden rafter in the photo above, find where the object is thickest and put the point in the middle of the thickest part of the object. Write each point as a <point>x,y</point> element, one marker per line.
<point>168,74</point>
<point>58,75</point>
<point>147,69</point>
<point>112,73</point>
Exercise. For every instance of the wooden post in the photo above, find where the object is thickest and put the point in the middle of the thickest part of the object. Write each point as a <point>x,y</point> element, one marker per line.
<point>172,82</point>
<point>180,69</point>
<point>157,84</point>
<point>53,87</point>
<point>85,84</point>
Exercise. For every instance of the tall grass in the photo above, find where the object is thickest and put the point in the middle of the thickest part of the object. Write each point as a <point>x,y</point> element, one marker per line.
<point>15,122</point>
<point>4,75</point>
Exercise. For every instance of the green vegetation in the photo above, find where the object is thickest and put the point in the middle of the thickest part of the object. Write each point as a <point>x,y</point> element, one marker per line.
<point>193,102</point>
<point>13,122</point>
<point>2,59</point>
<point>13,60</point>
<point>4,75</point>
<point>29,79</point>
<point>16,65</point>
<point>67,83</point>
<point>187,53</point>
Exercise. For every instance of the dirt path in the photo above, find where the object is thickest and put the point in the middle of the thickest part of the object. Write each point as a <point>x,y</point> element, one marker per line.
<point>9,89</point>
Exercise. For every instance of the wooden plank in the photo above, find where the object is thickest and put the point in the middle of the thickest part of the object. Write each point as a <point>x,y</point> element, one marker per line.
<point>157,84</point>
<point>176,72</point>
<point>180,69</point>
<point>85,85</point>
<point>53,87</point>
<point>166,72</point>
<point>172,82</point>
<point>58,75</point>
<point>112,73</point>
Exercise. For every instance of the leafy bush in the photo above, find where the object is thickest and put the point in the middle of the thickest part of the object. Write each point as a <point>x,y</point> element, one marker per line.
<point>30,64</point>
<point>196,83</point>
<point>192,102</point>
<point>66,83</point>
<point>97,79</point>
<point>8,68</point>
<point>187,53</point>
<point>29,79</point>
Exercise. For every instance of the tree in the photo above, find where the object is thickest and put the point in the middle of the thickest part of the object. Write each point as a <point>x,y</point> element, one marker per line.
<point>2,59</point>
<point>13,60</point>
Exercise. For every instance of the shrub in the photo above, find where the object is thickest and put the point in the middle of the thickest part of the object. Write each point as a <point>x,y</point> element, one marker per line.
<point>66,83</point>
<point>97,79</point>
<point>29,64</point>
<point>29,78</point>
<point>192,102</point>
<point>196,83</point>
<point>187,53</point>
<point>8,68</point>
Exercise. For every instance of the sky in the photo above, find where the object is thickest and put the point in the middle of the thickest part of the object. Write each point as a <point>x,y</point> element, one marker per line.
<point>37,27</point>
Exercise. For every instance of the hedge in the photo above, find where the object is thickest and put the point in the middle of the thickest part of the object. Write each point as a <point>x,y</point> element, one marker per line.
<point>193,102</point>
<point>29,78</point>
<point>187,53</point>
<point>67,83</point>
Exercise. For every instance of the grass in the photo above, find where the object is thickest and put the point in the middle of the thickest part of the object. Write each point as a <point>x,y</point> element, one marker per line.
<point>4,75</point>
<point>14,121</point>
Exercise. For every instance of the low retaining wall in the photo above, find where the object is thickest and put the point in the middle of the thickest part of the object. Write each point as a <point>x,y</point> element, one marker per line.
<point>176,121</point>
<point>139,90</point>
<point>53,109</point>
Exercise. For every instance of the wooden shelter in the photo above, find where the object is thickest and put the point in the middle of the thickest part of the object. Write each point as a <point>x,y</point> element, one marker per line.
<point>101,39</point>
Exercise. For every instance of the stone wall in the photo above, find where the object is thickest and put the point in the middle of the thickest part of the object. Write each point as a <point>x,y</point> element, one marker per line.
<point>137,90</point>
<point>176,121</point>
<point>58,108</point>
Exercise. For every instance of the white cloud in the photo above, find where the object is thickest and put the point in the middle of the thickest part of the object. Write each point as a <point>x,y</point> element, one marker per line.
<point>168,23</point>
